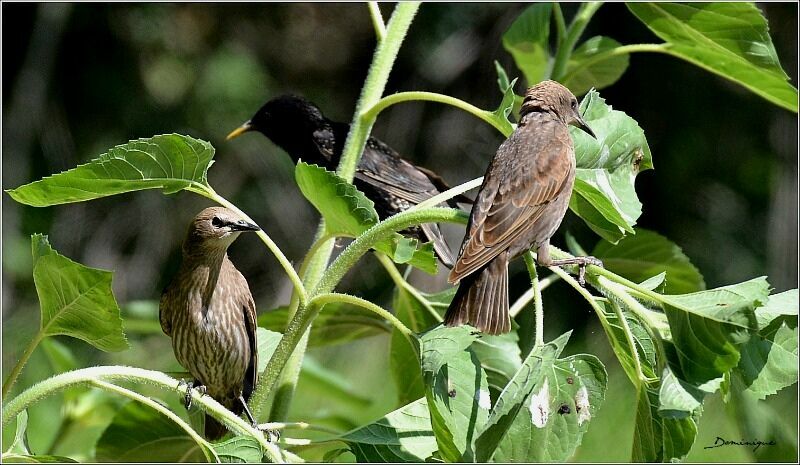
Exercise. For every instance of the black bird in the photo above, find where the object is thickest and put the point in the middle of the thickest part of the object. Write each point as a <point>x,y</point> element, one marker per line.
<point>394,184</point>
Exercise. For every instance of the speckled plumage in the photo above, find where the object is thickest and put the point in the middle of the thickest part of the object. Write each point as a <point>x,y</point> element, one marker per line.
<point>523,198</point>
<point>394,184</point>
<point>209,313</point>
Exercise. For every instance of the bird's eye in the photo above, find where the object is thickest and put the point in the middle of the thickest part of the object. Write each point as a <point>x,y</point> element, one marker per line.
<point>574,104</point>
<point>216,222</point>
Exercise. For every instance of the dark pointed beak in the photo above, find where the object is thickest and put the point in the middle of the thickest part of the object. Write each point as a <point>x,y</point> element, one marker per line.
<point>247,126</point>
<point>243,225</point>
<point>579,122</point>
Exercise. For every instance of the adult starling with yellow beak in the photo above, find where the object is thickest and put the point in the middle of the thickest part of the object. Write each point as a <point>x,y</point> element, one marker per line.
<point>209,313</point>
<point>523,198</point>
<point>391,182</point>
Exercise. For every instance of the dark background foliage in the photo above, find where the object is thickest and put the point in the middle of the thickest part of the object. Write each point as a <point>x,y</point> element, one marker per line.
<point>78,79</point>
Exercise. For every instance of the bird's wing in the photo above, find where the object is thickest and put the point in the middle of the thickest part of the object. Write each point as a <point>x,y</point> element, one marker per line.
<point>529,173</point>
<point>165,311</point>
<point>383,168</point>
<point>251,376</point>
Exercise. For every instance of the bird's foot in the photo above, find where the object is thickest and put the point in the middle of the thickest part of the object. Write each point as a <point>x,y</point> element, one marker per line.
<point>273,435</point>
<point>582,263</point>
<point>187,398</point>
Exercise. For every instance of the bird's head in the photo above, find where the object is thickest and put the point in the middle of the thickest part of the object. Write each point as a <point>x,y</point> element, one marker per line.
<point>215,228</point>
<point>552,97</point>
<point>284,120</point>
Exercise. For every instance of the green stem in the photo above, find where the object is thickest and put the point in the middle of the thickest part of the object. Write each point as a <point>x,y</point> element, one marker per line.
<point>208,192</point>
<point>301,425</point>
<point>204,445</point>
<point>528,296</point>
<point>561,26</point>
<point>579,23</point>
<point>380,231</point>
<point>401,283</point>
<point>324,299</point>
<point>23,359</point>
<point>377,20</point>
<point>88,376</point>
<point>372,112</point>
<point>374,85</point>
<point>538,309</point>
<point>617,51</point>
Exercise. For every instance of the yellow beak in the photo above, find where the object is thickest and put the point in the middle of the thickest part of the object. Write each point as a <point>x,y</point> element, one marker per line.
<point>239,131</point>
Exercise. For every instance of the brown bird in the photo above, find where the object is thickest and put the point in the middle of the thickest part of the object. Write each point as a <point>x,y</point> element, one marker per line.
<point>523,198</point>
<point>210,315</point>
<point>391,182</point>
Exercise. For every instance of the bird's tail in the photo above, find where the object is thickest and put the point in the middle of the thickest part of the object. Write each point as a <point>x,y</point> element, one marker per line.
<point>482,299</point>
<point>434,234</point>
<point>214,429</point>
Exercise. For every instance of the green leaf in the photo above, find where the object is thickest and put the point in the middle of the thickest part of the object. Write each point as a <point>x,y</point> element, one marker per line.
<point>677,398</point>
<point>645,346</point>
<point>75,300</point>
<point>604,194</point>
<point>530,375</point>
<point>505,85</point>
<point>499,356</point>
<point>585,71</point>
<point>707,327</point>
<point>456,389</point>
<point>348,212</point>
<point>403,435</point>
<point>780,305</point>
<point>140,434</point>
<point>266,341</point>
<point>20,443</point>
<point>660,439</point>
<point>527,41</point>
<point>647,254</point>
<point>730,39</point>
<point>170,162</point>
<point>769,365</point>
<point>239,449</point>
<point>337,323</point>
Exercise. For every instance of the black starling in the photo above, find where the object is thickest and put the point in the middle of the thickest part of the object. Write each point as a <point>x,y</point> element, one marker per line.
<point>521,203</point>
<point>210,315</point>
<point>299,127</point>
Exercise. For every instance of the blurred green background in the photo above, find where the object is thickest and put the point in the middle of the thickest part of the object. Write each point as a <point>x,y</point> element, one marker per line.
<point>79,79</point>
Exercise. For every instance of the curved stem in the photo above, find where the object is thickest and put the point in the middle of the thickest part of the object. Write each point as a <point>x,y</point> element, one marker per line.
<point>301,425</point>
<point>448,194</point>
<point>23,359</point>
<point>561,26</point>
<point>375,83</point>
<point>574,32</point>
<point>538,310</point>
<point>617,51</point>
<point>208,192</point>
<point>86,376</point>
<point>204,445</point>
<point>380,231</point>
<point>377,20</point>
<point>324,299</point>
<point>401,283</point>
<point>487,116</point>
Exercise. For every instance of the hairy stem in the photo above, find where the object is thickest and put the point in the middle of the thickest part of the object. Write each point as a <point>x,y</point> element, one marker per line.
<point>528,296</point>
<point>538,310</point>
<point>377,20</point>
<point>500,124</point>
<point>324,299</point>
<point>448,194</point>
<point>401,283</point>
<point>23,359</point>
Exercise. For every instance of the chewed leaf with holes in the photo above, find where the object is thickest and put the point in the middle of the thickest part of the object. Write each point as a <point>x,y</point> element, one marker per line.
<point>75,300</point>
<point>604,194</point>
<point>170,162</point>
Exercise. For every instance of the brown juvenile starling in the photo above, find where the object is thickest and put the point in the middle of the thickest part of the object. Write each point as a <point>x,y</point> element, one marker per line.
<point>299,127</point>
<point>523,198</point>
<point>210,315</point>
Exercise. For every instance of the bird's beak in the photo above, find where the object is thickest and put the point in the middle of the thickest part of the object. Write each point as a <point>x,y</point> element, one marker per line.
<point>240,130</point>
<point>243,225</point>
<point>579,122</point>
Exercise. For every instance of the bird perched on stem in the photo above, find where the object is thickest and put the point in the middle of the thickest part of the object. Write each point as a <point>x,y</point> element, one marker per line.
<point>523,198</point>
<point>209,313</point>
<point>392,183</point>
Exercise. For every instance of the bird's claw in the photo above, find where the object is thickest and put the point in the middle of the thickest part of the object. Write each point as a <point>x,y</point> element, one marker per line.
<point>187,397</point>
<point>586,261</point>
<point>272,434</point>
